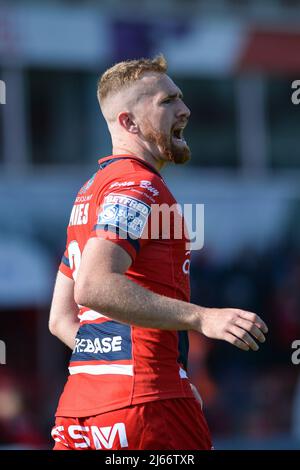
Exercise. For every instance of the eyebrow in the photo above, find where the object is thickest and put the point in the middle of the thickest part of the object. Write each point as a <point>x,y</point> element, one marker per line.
<point>174,95</point>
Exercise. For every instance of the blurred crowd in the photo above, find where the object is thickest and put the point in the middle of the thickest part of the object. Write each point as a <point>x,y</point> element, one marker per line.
<point>250,394</point>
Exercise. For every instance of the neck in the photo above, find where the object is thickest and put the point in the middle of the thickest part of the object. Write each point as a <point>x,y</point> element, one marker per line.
<point>144,154</point>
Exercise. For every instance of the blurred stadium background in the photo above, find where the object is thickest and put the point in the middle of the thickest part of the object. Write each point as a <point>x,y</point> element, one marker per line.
<point>235,62</point>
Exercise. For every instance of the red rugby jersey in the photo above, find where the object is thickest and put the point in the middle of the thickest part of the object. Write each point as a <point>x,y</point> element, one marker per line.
<point>115,365</point>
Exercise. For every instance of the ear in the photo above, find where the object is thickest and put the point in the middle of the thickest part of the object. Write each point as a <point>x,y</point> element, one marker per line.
<point>126,120</point>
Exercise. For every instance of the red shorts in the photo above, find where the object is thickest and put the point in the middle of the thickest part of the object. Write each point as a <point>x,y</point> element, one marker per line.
<point>173,424</point>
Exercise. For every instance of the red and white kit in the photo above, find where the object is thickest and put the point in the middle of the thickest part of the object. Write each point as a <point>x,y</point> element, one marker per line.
<point>116,366</point>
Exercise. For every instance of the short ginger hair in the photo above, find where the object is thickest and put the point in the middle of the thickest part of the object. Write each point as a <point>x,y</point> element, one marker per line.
<point>124,73</point>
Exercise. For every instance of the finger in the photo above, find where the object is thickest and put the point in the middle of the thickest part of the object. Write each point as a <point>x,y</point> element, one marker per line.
<point>253,318</point>
<point>251,328</point>
<point>236,342</point>
<point>244,336</point>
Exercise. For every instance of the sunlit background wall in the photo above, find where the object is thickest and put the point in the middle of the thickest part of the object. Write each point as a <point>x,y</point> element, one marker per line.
<point>235,62</point>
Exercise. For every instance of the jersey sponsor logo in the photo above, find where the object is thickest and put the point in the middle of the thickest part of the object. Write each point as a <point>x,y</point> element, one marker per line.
<point>93,437</point>
<point>80,199</point>
<point>98,345</point>
<point>107,341</point>
<point>142,193</point>
<point>57,434</point>
<point>122,184</point>
<point>126,213</point>
<point>79,214</point>
<point>104,437</point>
<point>147,185</point>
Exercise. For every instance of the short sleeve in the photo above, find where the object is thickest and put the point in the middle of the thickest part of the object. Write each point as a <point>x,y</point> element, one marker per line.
<point>124,211</point>
<point>64,266</point>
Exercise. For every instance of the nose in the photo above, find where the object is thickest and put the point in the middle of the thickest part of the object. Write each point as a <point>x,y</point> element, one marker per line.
<point>183,111</point>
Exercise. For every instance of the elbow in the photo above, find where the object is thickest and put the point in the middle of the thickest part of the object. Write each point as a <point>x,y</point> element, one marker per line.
<point>81,294</point>
<point>90,295</point>
<point>52,325</point>
<point>84,294</point>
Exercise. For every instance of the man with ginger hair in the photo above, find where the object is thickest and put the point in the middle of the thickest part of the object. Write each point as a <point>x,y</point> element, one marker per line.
<point>122,300</point>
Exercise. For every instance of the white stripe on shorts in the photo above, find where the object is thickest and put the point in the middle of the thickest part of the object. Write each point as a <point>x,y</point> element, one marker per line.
<point>102,369</point>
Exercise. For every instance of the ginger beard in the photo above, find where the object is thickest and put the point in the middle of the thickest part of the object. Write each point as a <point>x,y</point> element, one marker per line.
<point>179,153</point>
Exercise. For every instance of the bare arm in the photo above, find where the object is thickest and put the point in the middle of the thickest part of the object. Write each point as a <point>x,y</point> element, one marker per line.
<point>102,286</point>
<point>63,321</point>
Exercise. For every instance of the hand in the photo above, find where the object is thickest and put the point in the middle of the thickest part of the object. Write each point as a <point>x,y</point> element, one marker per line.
<point>235,326</point>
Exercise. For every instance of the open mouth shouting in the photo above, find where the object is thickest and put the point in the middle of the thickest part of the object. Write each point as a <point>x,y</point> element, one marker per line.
<point>177,135</point>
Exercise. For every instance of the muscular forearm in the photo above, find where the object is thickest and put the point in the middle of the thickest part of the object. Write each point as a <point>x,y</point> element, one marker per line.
<point>102,286</point>
<point>125,301</point>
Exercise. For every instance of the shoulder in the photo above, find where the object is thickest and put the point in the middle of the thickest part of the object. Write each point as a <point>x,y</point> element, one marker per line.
<point>135,177</point>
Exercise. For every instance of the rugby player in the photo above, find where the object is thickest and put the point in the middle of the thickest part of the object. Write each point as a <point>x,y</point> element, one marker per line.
<point>122,299</point>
